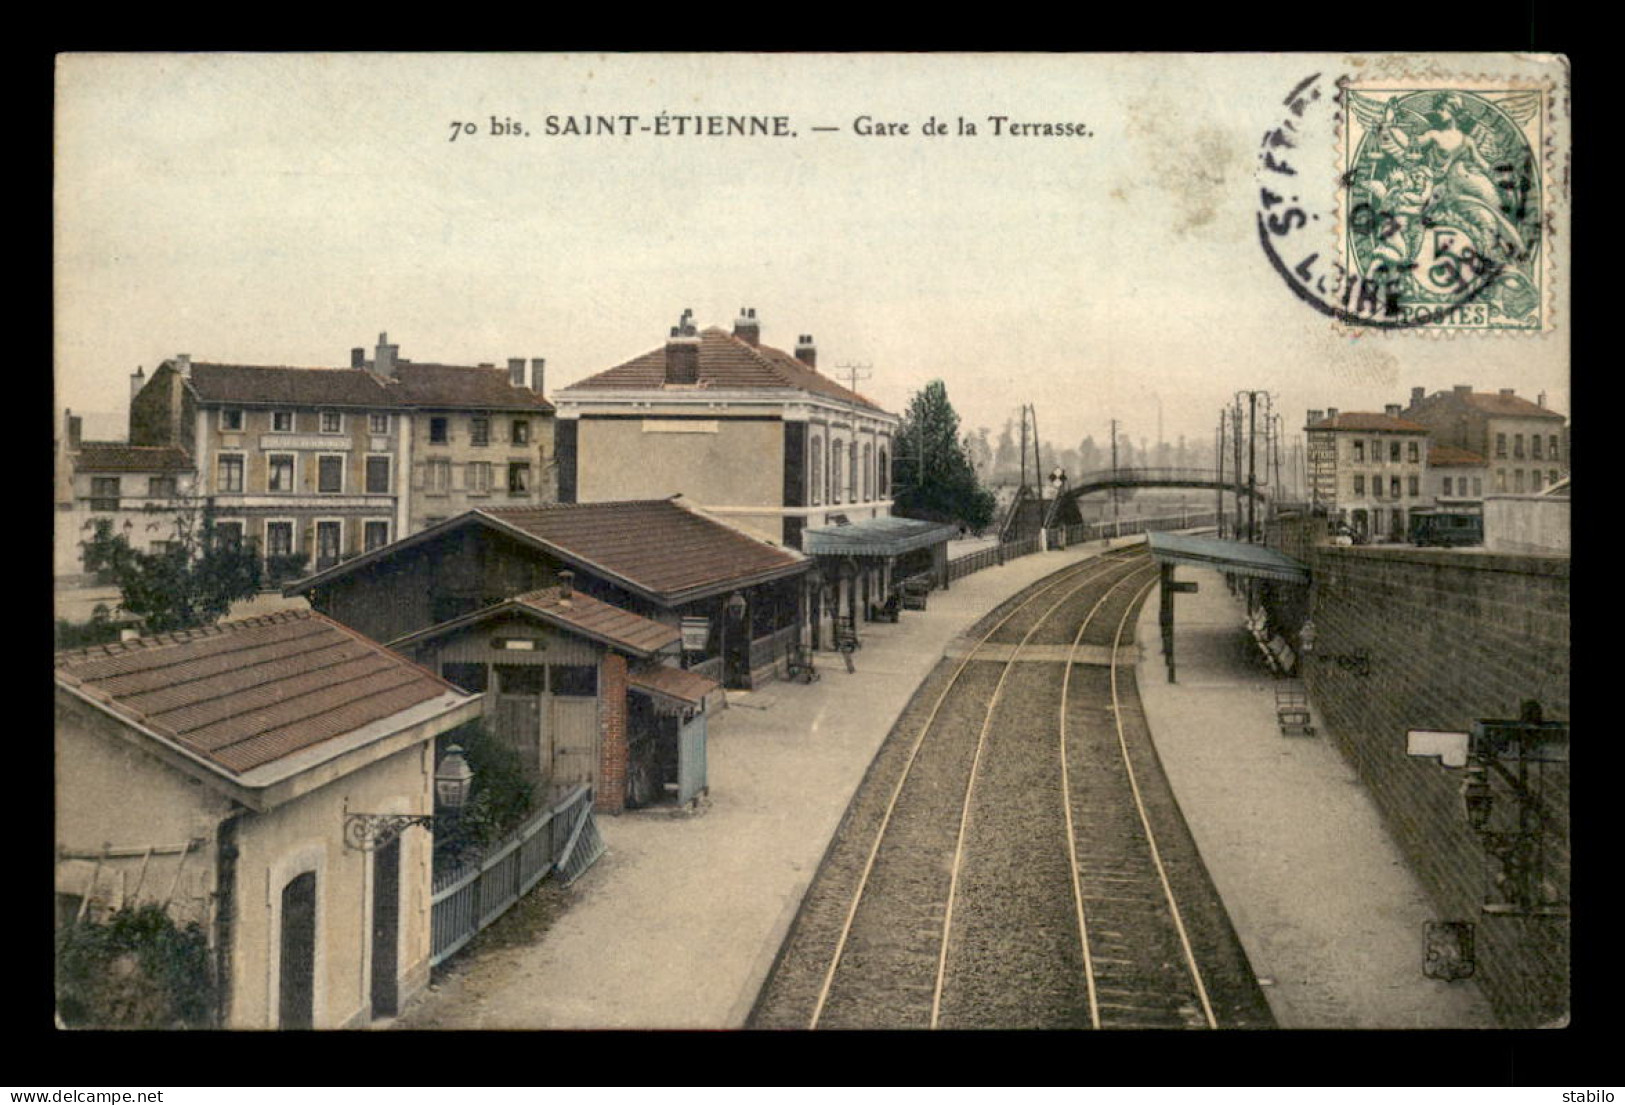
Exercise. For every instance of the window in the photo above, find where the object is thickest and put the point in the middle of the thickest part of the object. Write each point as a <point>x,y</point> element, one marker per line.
<point>1478,485</point>
<point>577,680</point>
<point>1393,451</point>
<point>160,487</point>
<point>230,471</point>
<point>1393,482</point>
<point>378,423</point>
<point>332,422</point>
<point>521,431</point>
<point>883,474</point>
<point>479,478</point>
<point>1413,452</point>
<point>522,678</point>
<point>1517,446</point>
<point>1517,480</point>
<point>329,536</point>
<point>329,475</point>
<point>378,475</point>
<point>374,535</point>
<point>437,431</point>
<point>868,476</point>
<point>837,453</point>
<point>1552,476</point>
<point>437,476</point>
<point>104,493</point>
<point>1551,447</point>
<point>280,474</point>
<point>231,420</point>
<point>1534,446</point>
<point>852,476</point>
<point>1501,445</point>
<point>1447,486</point>
<point>1359,452</point>
<point>279,539</point>
<point>282,422</point>
<point>1500,479</point>
<point>473,678</point>
<point>1415,487</point>
<point>1534,478</point>
<point>479,431</point>
<point>518,478</point>
<point>815,470</point>
<point>228,535</point>
<point>1359,485</point>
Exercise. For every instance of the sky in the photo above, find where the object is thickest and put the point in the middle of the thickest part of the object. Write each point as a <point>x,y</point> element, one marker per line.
<point>282,209</point>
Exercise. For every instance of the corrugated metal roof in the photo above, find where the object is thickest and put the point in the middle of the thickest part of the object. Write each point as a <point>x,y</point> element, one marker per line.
<point>245,694</point>
<point>1235,557</point>
<point>725,362</point>
<point>886,536</point>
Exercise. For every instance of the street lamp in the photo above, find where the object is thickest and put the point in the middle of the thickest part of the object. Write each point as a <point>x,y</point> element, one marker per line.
<point>453,779</point>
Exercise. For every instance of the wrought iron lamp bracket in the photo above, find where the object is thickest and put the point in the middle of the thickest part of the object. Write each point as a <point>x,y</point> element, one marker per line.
<point>366,832</point>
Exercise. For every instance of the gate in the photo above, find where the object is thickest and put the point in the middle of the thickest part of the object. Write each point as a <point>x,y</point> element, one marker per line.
<point>691,777</point>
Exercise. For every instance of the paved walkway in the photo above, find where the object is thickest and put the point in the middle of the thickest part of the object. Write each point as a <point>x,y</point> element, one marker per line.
<point>677,925</point>
<point>1327,910</point>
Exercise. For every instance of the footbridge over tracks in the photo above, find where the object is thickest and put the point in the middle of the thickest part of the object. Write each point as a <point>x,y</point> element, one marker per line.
<point>1062,509</point>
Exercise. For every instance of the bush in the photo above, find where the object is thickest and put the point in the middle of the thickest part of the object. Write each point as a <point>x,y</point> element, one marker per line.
<point>136,969</point>
<point>97,631</point>
<point>500,799</point>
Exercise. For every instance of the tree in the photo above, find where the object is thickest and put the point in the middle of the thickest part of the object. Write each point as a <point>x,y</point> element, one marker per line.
<point>932,471</point>
<point>191,581</point>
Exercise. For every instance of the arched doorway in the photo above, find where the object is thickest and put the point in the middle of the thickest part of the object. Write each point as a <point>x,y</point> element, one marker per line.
<point>297,1004</point>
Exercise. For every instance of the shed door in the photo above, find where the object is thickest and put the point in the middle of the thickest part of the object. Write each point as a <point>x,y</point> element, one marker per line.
<point>691,758</point>
<point>573,723</point>
<point>519,714</point>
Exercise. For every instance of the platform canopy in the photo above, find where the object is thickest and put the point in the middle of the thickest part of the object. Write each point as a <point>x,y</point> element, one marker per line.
<point>888,536</point>
<point>1235,557</point>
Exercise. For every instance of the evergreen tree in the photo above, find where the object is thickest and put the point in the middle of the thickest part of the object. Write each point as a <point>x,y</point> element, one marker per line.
<point>191,581</point>
<point>932,471</point>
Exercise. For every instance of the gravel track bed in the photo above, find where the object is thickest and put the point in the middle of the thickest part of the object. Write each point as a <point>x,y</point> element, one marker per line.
<point>1014,958</point>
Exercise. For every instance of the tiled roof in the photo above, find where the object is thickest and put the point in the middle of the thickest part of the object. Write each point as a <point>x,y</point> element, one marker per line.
<point>657,545</point>
<point>1506,406</point>
<point>1448,456</point>
<point>439,385</point>
<point>602,620</point>
<point>244,694</point>
<point>117,456</point>
<point>294,387</point>
<point>725,362</point>
<point>687,687</point>
<point>1362,420</point>
<point>415,385</point>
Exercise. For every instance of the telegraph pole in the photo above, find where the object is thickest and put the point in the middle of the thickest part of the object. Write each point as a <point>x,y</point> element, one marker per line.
<point>1114,469</point>
<point>851,372</point>
<point>1218,458</point>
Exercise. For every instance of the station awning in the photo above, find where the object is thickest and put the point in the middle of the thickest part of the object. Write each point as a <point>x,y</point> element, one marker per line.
<point>673,686</point>
<point>888,536</point>
<point>1235,557</point>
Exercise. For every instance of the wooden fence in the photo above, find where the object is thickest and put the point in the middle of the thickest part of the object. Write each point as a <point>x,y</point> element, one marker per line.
<point>1060,536</point>
<point>471,896</point>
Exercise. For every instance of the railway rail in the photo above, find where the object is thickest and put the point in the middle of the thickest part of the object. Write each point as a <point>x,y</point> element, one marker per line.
<point>1000,865</point>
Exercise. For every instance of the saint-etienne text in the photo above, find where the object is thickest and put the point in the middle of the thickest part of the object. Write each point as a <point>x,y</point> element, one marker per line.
<point>661,126</point>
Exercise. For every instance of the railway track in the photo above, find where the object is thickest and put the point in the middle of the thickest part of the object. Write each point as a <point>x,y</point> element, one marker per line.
<point>999,868</point>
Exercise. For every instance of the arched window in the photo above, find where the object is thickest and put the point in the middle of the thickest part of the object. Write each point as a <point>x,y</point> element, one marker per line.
<point>883,474</point>
<point>836,455</point>
<point>852,476</point>
<point>815,471</point>
<point>868,473</point>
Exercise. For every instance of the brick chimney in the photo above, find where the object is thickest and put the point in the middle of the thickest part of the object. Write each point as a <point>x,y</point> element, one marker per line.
<point>747,328</point>
<point>1393,410</point>
<point>383,360</point>
<point>806,351</point>
<point>183,365</point>
<point>516,371</point>
<point>1417,395</point>
<point>358,357</point>
<point>683,352</point>
<point>138,380</point>
<point>538,365</point>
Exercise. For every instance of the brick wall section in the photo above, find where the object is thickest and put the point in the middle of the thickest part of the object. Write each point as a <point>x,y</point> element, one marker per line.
<point>610,796</point>
<point>1450,637</point>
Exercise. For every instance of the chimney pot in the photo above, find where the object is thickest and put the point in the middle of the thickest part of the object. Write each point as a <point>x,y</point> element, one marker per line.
<point>806,351</point>
<point>746,328</point>
<point>1315,416</point>
<point>384,357</point>
<point>183,364</point>
<point>538,365</point>
<point>358,357</point>
<point>1417,395</point>
<point>138,380</point>
<point>1540,400</point>
<point>566,584</point>
<point>516,371</point>
<point>1393,410</point>
<point>73,428</point>
<point>1331,412</point>
<point>1507,391</point>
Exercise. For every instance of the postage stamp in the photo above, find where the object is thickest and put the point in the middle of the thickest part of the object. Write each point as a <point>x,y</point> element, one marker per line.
<point>1443,202</point>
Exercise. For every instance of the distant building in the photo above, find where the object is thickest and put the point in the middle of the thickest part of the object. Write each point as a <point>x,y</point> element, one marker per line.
<point>1524,444</point>
<point>1456,477</point>
<point>133,487</point>
<point>212,772</point>
<point>321,464</point>
<point>1366,470</point>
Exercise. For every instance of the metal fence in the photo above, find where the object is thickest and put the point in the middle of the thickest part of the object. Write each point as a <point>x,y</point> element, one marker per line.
<point>471,896</point>
<point>1061,536</point>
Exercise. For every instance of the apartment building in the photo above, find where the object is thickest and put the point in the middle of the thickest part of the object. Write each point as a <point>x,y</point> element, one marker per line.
<point>1524,444</point>
<point>1368,470</point>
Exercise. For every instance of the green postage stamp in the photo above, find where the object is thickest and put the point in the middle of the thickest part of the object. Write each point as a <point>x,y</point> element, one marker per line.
<point>1444,195</point>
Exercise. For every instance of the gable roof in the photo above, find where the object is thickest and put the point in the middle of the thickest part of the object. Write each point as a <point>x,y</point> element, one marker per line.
<point>414,386</point>
<point>119,456</point>
<point>1448,456</point>
<point>657,548</point>
<point>242,695</point>
<point>1490,403</point>
<point>1368,420</point>
<point>727,362</point>
<point>580,613</point>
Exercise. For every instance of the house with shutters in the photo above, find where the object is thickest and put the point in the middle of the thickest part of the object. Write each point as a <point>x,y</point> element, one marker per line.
<point>215,773</point>
<point>1368,470</point>
<point>315,465</point>
<point>1523,444</point>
